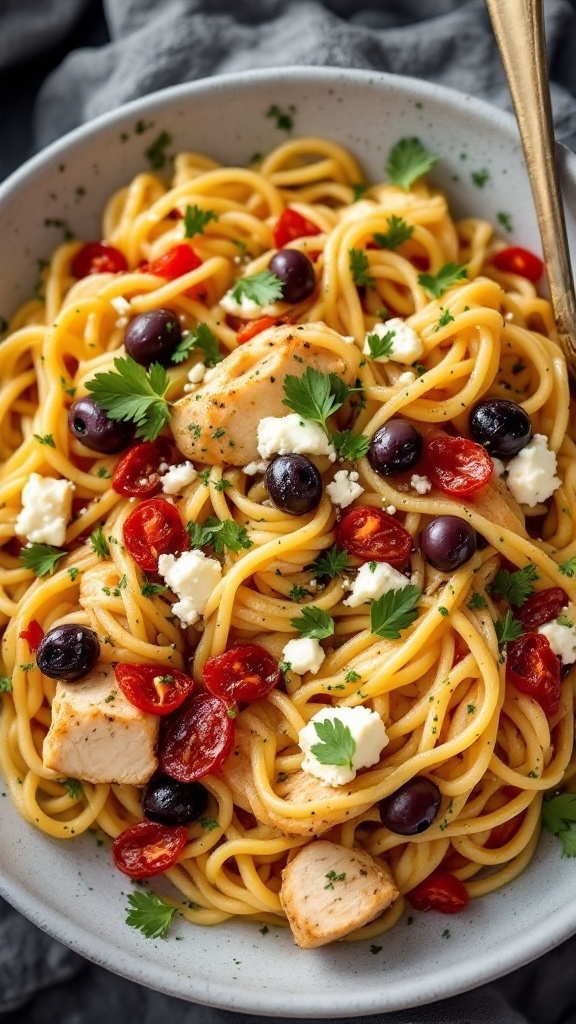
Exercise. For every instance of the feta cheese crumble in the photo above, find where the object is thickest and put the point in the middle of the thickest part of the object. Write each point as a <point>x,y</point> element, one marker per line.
<point>196,373</point>
<point>253,468</point>
<point>46,510</point>
<point>421,484</point>
<point>344,488</point>
<point>192,576</point>
<point>408,377</point>
<point>561,637</point>
<point>292,434</point>
<point>303,655</point>
<point>176,478</point>
<point>499,467</point>
<point>532,473</point>
<point>372,580</point>
<point>246,308</point>
<point>367,731</point>
<point>407,346</point>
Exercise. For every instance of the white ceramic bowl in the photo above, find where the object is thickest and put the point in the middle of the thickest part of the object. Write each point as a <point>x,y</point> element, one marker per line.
<point>71,889</point>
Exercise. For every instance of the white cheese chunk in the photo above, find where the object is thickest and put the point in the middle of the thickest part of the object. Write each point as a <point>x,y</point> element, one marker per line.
<point>499,467</point>
<point>192,576</point>
<point>368,734</point>
<point>421,484</point>
<point>561,637</point>
<point>344,488</point>
<point>532,473</point>
<point>408,377</point>
<point>372,580</point>
<point>46,510</point>
<point>176,478</point>
<point>303,655</point>
<point>390,509</point>
<point>196,373</point>
<point>246,308</point>
<point>407,346</point>
<point>292,434</point>
<point>253,468</point>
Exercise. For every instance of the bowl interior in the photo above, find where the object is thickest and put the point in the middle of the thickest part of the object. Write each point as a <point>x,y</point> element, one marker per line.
<point>71,889</point>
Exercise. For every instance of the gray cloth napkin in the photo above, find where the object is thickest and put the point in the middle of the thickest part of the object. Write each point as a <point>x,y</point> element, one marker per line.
<point>64,61</point>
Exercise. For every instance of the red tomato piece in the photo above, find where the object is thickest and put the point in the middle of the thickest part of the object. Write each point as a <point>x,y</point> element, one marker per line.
<point>534,669</point>
<point>243,673</point>
<point>516,260</point>
<point>157,690</point>
<point>198,739</point>
<point>440,891</point>
<point>148,849</point>
<point>154,528</point>
<point>33,634</point>
<point>137,473</point>
<point>250,329</point>
<point>98,258</point>
<point>541,607</point>
<point>502,834</point>
<point>372,535</point>
<point>457,465</point>
<point>291,225</point>
<point>179,260</point>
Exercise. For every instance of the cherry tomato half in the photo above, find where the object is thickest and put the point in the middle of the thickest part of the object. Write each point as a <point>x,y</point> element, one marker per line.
<point>534,669</point>
<point>198,739</point>
<point>155,689</point>
<point>98,258</point>
<point>137,473</point>
<point>179,260</point>
<point>291,225</point>
<point>148,849</point>
<point>372,535</point>
<point>250,329</point>
<point>154,528</point>
<point>440,891</point>
<point>502,834</point>
<point>541,607</point>
<point>516,260</point>
<point>457,465</point>
<point>33,634</point>
<point>243,673</point>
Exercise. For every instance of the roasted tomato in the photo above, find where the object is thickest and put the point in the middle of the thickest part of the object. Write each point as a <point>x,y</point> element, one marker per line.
<point>291,225</point>
<point>148,849</point>
<point>250,329</point>
<point>154,528</point>
<point>98,258</point>
<point>179,260</point>
<point>157,689</point>
<point>457,466</point>
<point>440,891</point>
<point>502,834</point>
<point>137,474</point>
<point>541,607</point>
<point>243,673</point>
<point>372,535</point>
<point>533,668</point>
<point>33,634</point>
<point>198,739</point>
<point>516,260</point>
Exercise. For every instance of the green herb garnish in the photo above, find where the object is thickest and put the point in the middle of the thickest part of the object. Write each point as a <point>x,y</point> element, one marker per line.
<point>394,611</point>
<point>337,744</point>
<point>41,558</point>
<point>196,219</point>
<point>359,266</point>
<point>262,288</point>
<point>151,915</point>
<point>314,623</point>
<point>515,587</point>
<point>407,161</point>
<point>436,284</point>
<point>134,395</point>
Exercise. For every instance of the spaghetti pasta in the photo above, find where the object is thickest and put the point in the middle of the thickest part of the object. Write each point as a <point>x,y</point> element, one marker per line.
<point>443,690</point>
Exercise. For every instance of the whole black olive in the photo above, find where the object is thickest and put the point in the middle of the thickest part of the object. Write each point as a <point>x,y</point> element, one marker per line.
<point>68,652</point>
<point>169,802</point>
<point>501,426</point>
<point>152,337</point>
<point>395,447</point>
<point>447,542</point>
<point>412,808</point>
<point>294,484</point>
<point>296,273</point>
<point>90,425</point>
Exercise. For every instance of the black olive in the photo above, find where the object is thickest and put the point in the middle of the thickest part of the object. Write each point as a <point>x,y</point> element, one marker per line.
<point>294,484</point>
<point>447,542</point>
<point>395,447</point>
<point>296,273</point>
<point>501,426</point>
<point>152,337</point>
<point>68,652</point>
<point>412,808</point>
<point>90,424</point>
<point>169,802</point>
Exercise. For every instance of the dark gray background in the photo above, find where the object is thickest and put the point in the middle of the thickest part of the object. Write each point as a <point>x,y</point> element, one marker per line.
<point>65,61</point>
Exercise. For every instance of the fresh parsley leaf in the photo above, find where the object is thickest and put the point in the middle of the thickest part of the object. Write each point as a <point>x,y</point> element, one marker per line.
<point>73,572</point>
<point>150,914</point>
<point>436,284</point>
<point>359,266</point>
<point>480,178</point>
<point>505,220</point>
<point>350,446</point>
<point>262,288</point>
<point>46,439</point>
<point>135,395</point>
<point>568,840</point>
<point>284,118</point>
<point>333,877</point>
<point>149,589</point>
<point>568,568</point>
<point>156,153</point>
<point>394,611</point>
<point>337,743</point>
<point>314,623</point>
<point>476,602</point>
<point>209,824</point>
<point>352,677</point>
<point>220,534</point>
<point>98,543</point>
<point>358,190</point>
<point>5,684</point>
<point>200,536</point>
<point>407,161</point>
<point>222,485</point>
<point>515,587</point>
<point>41,558</point>
<point>73,787</point>
<point>200,338</point>
<point>381,345</point>
<point>444,319</point>
<point>298,593</point>
<point>196,219</point>
<point>398,231</point>
<point>331,563</point>
<point>508,629</point>
<point>558,816</point>
<point>315,395</point>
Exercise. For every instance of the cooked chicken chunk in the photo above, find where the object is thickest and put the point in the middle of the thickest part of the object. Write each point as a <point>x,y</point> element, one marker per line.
<point>328,891</point>
<point>97,735</point>
<point>218,423</point>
